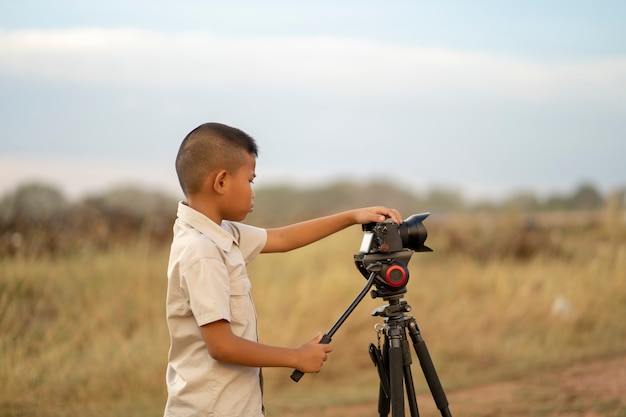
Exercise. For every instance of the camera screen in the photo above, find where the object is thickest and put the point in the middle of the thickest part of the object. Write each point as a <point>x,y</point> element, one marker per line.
<point>366,243</point>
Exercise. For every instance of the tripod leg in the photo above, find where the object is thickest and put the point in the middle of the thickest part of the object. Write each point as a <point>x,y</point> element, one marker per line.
<point>408,379</point>
<point>429,369</point>
<point>396,371</point>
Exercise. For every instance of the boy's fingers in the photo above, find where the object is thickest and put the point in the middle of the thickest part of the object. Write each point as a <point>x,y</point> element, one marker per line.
<point>395,215</point>
<point>384,212</point>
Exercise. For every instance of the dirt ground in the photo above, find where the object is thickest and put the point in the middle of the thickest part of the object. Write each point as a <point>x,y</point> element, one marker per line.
<point>587,389</point>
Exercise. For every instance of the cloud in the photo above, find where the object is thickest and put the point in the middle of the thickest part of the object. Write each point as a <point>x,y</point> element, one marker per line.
<point>323,64</point>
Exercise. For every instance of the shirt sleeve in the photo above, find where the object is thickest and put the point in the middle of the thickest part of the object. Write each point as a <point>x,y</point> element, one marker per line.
<point>207,287</point>
<point>251,240</point>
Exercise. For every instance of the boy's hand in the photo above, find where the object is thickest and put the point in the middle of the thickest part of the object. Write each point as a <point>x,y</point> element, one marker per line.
<point>377,214</point>
<point>312,355</point>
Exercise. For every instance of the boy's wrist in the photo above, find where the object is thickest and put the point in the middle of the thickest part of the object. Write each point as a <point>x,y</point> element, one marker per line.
<point>355,218</point>
<point>294,358</point>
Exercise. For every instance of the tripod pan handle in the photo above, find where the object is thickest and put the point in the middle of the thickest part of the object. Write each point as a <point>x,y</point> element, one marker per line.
<point>296,375</point>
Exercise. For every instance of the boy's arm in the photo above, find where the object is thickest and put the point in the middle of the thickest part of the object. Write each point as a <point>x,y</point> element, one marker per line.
<point>286,238</point>
<point>224,346</point>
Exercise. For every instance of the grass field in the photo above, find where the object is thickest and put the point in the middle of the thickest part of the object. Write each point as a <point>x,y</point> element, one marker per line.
<point>86,335</point>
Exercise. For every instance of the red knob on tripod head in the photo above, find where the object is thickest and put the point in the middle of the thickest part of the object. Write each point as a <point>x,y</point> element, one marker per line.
<point>396,275</point>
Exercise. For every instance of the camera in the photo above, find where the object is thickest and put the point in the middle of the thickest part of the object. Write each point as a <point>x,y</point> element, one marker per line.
<point>386,237</point>
<point>386,249</point>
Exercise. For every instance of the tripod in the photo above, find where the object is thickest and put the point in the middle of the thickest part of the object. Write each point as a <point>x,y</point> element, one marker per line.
<point>385,251</point>
<point>393,360</point>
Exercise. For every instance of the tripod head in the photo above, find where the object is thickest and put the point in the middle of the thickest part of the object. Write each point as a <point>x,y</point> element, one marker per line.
<point>391,272</point>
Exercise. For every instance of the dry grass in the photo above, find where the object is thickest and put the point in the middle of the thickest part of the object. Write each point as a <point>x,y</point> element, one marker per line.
<point>86,335</point>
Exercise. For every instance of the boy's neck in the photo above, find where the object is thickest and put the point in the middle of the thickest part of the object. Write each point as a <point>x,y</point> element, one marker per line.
<point>202,206</point>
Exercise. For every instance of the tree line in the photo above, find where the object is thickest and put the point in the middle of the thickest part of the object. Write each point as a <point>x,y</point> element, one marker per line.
<point>38,219</point>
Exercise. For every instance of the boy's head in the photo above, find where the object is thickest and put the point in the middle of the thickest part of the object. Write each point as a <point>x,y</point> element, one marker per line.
<point>209,147</point>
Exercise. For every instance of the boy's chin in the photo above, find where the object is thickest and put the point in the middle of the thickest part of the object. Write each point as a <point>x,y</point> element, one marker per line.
<point>238,218</point>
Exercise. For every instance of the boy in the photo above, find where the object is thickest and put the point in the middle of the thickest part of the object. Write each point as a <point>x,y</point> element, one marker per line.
<point>215,359</point>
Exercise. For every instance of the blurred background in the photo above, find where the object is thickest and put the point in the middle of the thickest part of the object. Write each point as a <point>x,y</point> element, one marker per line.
<point>505,120</point>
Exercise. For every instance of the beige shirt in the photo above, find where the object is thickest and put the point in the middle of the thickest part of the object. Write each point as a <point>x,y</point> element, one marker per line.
<point>208,281</point>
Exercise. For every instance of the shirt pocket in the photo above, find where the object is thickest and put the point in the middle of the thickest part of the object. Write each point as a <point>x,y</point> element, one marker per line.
<point>241,307</point>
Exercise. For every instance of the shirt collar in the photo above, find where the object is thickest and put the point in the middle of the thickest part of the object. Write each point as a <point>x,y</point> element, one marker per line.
<point>221,237</point>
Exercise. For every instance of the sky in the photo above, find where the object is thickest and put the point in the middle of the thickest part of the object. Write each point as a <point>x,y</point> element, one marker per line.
<point>484,97</point>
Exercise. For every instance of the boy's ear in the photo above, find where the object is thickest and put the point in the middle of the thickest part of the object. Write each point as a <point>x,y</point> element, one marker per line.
<point>219,181</point>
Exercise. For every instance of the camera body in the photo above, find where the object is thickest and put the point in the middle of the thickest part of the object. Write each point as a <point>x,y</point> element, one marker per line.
<point>381,237</point>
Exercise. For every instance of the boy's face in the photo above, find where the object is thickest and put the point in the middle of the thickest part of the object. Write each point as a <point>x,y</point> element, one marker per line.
<point>240,198</point>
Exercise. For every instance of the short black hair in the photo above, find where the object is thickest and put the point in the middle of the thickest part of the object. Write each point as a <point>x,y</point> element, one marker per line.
<point>208,147</point>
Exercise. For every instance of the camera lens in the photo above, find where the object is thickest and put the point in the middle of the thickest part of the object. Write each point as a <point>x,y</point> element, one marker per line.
<point>413,233</point>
